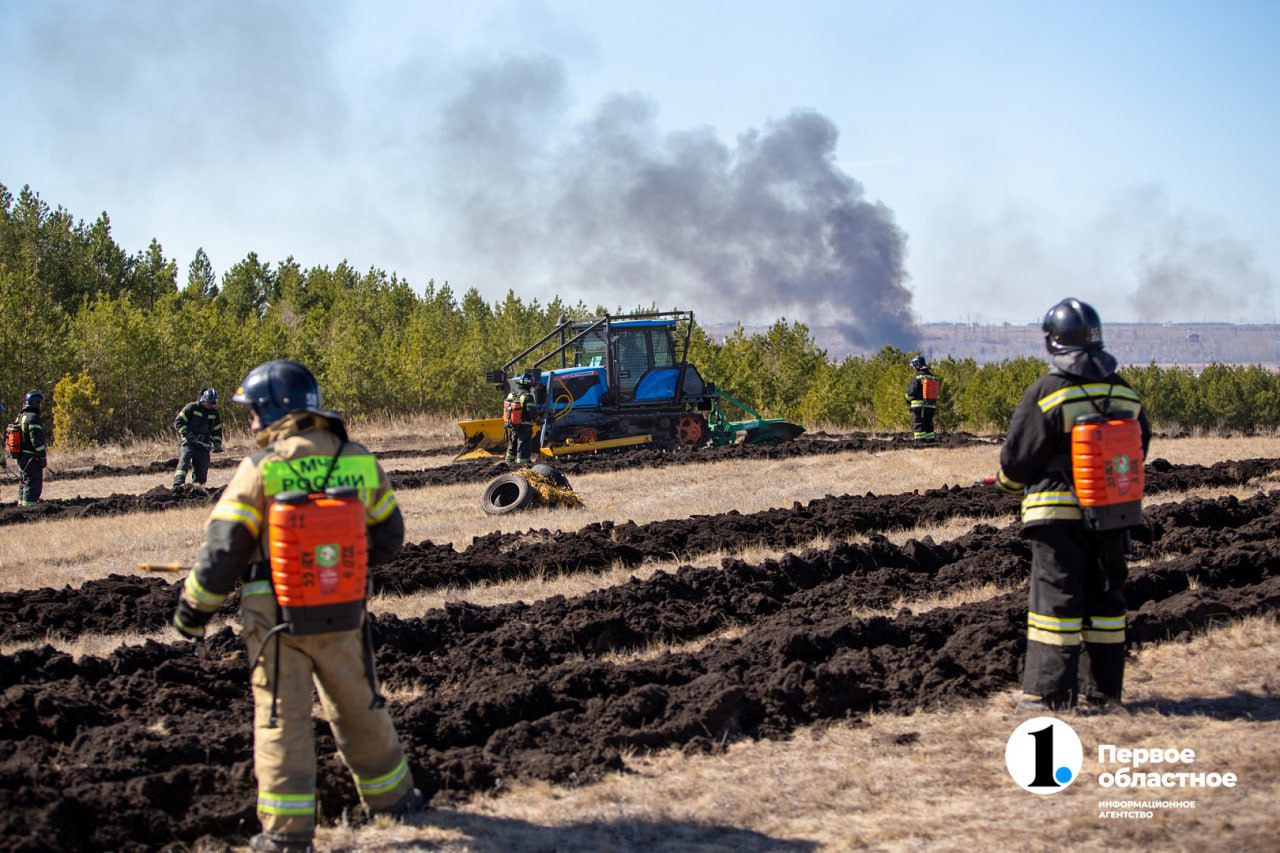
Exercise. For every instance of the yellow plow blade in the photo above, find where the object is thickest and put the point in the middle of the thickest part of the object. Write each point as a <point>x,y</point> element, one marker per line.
<point>484,437</point>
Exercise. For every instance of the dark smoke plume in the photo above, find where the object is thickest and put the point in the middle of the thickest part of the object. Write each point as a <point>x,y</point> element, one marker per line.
<point>1192,268</point>
<point>765,228</point>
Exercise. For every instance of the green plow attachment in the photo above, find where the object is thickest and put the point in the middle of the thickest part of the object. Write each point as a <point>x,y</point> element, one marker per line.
<point>757,430</point>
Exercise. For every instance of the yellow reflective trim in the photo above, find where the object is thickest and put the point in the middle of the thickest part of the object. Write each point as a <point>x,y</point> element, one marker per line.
<point>286,804</point>
<point>1054,623</point>
<point>1049,499</point>
<point>238,513</point>
<point>1052,638</point>
<point>1007,484</point>
<point>1052,513</point>
<point>382,510</point>
<point>1104,636</point>
<point>1040,506</point>
<point>1107,623</point>
<point>202,598</point>
<point>386,782</point>
<point>256,588</point>
<point>1090,390</point>
<point>189,630</point>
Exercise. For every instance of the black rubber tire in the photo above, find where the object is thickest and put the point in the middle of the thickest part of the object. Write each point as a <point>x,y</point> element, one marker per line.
<point>553,475</point>
<point>505,494</point>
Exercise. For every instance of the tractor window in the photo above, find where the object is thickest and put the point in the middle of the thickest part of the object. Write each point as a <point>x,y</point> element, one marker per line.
<point>633,357</point>
<point>590,351</point>
<point>663,354</point>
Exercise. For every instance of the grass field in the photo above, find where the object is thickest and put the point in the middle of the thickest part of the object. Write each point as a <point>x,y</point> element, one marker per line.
<point>932,780</point>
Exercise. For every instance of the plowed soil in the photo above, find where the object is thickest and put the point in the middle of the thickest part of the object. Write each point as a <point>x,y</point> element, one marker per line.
<point>152,744</point>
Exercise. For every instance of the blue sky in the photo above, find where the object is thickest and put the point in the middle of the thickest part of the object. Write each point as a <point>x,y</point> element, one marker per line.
<point>867,165</point>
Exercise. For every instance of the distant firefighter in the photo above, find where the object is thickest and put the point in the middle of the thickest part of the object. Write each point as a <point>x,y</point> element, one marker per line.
<point>518,413</point>
<point>922,394</point>
<point>200,429</point>
<point>1076,610</point>
<point>32,454</point>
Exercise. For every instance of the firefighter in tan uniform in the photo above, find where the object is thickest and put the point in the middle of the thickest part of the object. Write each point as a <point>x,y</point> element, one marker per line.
<point>1076,612</point>
<point>305,451</point>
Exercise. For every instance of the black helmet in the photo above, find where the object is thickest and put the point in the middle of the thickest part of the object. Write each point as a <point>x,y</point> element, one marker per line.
<point>918,363</point>
<point>209,396</point>
<point>33,399</point>
<point>277,388</point>
<point>1072,326</point>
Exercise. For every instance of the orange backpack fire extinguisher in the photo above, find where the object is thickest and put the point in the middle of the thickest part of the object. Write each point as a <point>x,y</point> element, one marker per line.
<point>1107,466</point>
<point>13,440</point>
<point>319,559</point>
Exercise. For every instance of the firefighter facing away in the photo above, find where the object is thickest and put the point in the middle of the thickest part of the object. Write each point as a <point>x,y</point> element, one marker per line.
<point>518,412</point>
<point>200,429</point>
<point>32,455</point>
<point>922,394</point>
<point>298,525</point>
<point>1076,610</point>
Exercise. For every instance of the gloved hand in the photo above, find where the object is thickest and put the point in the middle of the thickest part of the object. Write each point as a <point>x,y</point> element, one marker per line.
<point>1009,487</point>
<point>217,447</point>
<point>188,621</point>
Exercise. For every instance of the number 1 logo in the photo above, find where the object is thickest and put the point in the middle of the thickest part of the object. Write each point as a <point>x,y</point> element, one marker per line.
<point>1044,755</point>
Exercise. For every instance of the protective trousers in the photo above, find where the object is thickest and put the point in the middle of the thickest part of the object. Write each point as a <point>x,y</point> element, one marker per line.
<point>30,479</point>
<point>192,457</point>
<point>519,443</point>
<point>922,423</point>
<point>1076,614</point>
<point>285,754</point>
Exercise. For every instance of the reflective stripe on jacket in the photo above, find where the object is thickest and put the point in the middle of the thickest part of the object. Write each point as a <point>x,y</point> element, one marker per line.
<point>1036,457</point>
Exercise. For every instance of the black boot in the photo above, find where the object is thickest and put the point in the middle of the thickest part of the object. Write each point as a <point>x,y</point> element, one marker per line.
<point>266,842</point>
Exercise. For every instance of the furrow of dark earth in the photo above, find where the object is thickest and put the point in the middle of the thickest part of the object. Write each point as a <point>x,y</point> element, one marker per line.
<point>164,497</point>
<point>151,745</point>
<point>121,603</point>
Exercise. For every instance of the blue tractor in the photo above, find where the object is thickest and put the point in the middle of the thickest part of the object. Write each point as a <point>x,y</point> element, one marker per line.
<point>615,381</point>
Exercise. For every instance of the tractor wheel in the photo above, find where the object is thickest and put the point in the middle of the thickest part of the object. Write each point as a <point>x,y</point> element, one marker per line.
<point>691,431</point>
<point>505,494</point>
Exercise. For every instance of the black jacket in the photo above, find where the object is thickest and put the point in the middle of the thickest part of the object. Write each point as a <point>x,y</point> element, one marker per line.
<point>199,425</point>
<point>33,443</point>
<point>1036,457</point>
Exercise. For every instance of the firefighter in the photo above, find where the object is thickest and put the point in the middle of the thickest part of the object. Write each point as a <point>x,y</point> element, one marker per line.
<point>304,449</point>
<point>1076,610</point>
<point>922,394</point>
<point>518,412</point>
<point>200,429</point>
<point>32,459</point>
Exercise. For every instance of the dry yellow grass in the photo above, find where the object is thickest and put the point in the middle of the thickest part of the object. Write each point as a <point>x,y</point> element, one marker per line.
<point>845,786</point>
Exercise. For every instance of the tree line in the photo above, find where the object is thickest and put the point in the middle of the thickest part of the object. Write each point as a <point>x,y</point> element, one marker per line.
<point>118,342</point>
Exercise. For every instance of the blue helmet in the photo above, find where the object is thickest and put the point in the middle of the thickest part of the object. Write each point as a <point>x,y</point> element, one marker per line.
<point>277,388</point>
<point>209,396</point>
<point>33,399</point>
